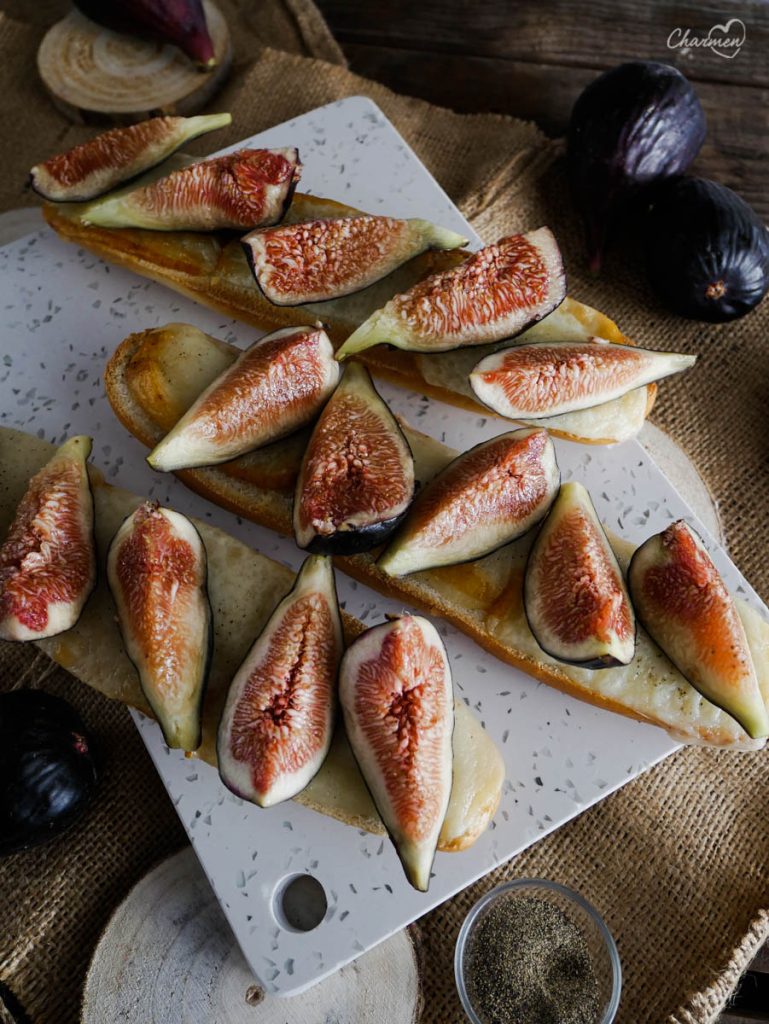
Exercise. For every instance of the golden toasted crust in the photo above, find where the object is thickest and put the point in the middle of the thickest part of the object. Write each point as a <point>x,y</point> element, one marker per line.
<point>212,269</point>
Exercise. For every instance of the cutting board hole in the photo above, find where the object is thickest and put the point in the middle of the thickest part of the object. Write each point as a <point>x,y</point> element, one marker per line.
<point>299,903</point>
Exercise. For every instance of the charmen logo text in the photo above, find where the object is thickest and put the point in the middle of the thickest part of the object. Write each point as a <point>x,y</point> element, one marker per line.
<point>725,40</point>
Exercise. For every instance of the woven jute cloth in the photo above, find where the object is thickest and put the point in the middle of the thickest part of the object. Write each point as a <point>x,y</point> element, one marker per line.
<point>676,860</point>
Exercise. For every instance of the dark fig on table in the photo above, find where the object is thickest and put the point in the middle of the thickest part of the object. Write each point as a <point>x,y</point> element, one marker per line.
<point>632,126</point>
<point>485,498</point>
<point>683,603</point>
<point>179,22</point>
<point>48,559</point>
<point>48,774</point>
<point>317,260</point>
<point>356,480</point>
<point>278,721</point>
<point>242,190</point>
<point>496,293</point>
<point>575,597</point>
<point>707,251</point>
<point>157,572</point>
<point>276,386</point>
<point>549,378</point>
<point>116,156</point>
<point>397,699</point>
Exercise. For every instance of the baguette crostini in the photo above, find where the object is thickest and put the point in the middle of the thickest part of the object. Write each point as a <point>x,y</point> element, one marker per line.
<point>156,374</point>
<point>212,268</point>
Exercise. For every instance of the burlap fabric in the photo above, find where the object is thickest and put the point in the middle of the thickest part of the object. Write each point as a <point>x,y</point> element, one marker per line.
<point>677,859</point>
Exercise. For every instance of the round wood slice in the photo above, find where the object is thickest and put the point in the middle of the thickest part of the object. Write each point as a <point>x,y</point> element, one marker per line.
<point>94,74</point>
<point>168,956</point>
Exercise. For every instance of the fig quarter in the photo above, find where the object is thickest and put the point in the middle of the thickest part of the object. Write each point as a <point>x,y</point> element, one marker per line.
<point>396,694</point>
<point>48,559</point>
<point>278,720</point>
<point>157,570</point>
<point>684,605</point>
<point>496,293</point>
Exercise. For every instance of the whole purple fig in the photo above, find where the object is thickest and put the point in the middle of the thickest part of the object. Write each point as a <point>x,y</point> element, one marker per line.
<point>636,124</point>
<point>180,22</point>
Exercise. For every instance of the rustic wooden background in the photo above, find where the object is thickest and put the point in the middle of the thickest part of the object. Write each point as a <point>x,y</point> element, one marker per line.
<point>532,58</point>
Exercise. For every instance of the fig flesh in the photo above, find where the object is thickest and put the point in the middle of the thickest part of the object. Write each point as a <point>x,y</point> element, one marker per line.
<point>485,498</point>
<point>275,387</point>
<point>396,695</point>
<point>684,605</point>
<point>242,190</point>
<point>278,721</point>
<point>48,559</point>
<point>356,480</point>
<point>116,156</point>
<point>496,293</point>
<point>324,259</point>
<point>157,572</point>
<point>574,595</point>
<point>551,378</point>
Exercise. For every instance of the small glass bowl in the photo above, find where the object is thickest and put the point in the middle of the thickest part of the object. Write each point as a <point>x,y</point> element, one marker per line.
<point>603,949</point>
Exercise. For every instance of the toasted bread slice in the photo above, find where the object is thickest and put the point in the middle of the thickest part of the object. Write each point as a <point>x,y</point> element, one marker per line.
<point>213,269</point>
<point>482,598</point>
<point>244,588</point>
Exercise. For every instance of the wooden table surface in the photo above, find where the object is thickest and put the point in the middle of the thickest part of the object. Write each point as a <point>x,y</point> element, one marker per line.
<point>532,58</point>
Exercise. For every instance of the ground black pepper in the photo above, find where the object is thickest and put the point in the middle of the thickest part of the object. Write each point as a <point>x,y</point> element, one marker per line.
<point>529,963</point>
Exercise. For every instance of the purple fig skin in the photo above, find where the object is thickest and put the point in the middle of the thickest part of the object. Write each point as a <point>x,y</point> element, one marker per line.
<point>180,22</point>
<point>707,250</point>
<point>636,124</point>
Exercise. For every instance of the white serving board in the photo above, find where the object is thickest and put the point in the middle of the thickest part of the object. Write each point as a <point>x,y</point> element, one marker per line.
<point>64,312</point>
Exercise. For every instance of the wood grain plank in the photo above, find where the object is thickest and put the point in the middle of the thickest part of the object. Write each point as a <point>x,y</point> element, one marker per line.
<point>735,152</point>
<point>565,32</point>
<point>731,1018</point>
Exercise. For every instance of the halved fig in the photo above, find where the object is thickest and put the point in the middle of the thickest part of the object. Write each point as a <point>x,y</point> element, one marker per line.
<point>245,189</point>
<point>496,293</point>
<point>356,480</point>
<point>574,595</point>
<point>101,164</point>
<point>683,604</point>
<point>550,378</point>
<point>278,721</point>
<point>48,559</point>
<point>276,386</point>
<point>485,498</point>
<point>157,572</point>
<point>324,259</point>
<point>396,695</point>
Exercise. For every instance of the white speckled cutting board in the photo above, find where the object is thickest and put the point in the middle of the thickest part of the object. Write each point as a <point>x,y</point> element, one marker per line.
<point>63,313</point>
